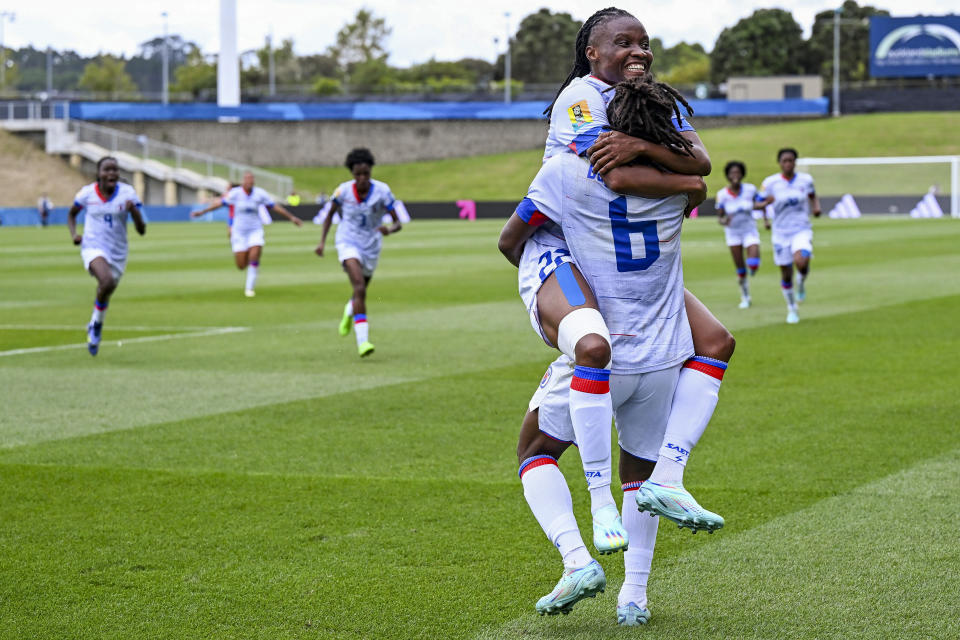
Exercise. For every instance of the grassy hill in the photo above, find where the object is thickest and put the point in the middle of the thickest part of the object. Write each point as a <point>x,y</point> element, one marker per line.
<point>507,176</point>
<point>28,172</point>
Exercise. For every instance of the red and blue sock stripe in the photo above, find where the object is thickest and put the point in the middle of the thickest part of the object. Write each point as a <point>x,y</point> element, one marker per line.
<point>709,366</point>
<point>753,263</point>
<point>590,380</point>
<point>536,461</point>
<point>631,486</point>
<point>741,272</point>
<point>100,306</point>
<point>255,263</point>
<point>360,317</point>
<point>786,284</point>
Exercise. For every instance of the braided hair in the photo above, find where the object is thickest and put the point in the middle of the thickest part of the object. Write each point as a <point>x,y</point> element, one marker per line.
<point>581,65</point>
<point>644,108</point>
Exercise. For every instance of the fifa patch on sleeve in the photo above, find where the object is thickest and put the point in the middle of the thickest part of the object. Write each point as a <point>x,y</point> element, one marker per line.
<point>580,115</point>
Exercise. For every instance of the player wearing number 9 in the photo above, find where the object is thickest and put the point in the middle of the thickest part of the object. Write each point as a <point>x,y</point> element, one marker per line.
<point>103,245</point>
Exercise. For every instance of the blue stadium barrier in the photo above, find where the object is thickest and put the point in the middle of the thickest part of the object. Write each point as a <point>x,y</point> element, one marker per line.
<point>341,111</point>
<point>28,217</point>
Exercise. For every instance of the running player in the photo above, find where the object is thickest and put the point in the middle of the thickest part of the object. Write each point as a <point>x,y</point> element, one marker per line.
<point>362,203</point>
<point>793,196</point>
<point>735,205</point>
<point>246,227</point>
<point>103,245</point>
<point>613,46</point>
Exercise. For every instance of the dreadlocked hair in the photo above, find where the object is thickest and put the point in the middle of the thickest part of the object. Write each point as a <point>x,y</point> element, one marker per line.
<point>581,66</point>
<point>644,108</point>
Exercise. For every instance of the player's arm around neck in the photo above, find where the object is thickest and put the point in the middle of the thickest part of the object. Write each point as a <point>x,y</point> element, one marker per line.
<point>649,182</point>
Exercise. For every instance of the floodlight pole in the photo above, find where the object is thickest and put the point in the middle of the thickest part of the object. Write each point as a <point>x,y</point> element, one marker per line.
<point>165,90</point>
<point>49,71</point>
<point>836,63</point>
<point>506,64</point>
<point>271,66</point>
<point>4,16</point>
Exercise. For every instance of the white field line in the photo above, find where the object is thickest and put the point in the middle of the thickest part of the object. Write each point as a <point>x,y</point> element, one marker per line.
<point>167,336</point>
<point>81,328</point>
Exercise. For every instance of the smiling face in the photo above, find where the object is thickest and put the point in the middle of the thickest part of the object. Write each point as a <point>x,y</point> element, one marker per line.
<point>734,176</point>
<point>619,49</point>
<point>108,174</point>
<point>361,173</point>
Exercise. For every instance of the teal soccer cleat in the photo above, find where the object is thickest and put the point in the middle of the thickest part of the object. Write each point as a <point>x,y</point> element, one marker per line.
<point>677,505</point>
<point>609,536</point>
<point>574,586</point>
<point>631,615</point>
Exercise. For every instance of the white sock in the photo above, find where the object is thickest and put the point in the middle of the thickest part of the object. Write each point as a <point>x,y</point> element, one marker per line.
<point>694,401</point>
<point>642,530</point>
<point>252,270</point>
<point>591,412</point>
<point>788,296</point>
<point>348,309</point>
<point>99,310</point>
<point>548,495</point>
<point>744,287</point>
<point>361,328</point>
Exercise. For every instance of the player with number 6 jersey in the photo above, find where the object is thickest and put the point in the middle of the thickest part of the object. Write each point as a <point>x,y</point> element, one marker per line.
<point>362,204</point>
<point>103,246</point>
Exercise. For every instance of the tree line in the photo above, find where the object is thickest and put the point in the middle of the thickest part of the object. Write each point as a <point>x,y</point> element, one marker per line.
<point>768,42</point>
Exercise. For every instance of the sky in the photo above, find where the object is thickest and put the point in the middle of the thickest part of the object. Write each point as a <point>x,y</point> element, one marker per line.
<point>422,29</point>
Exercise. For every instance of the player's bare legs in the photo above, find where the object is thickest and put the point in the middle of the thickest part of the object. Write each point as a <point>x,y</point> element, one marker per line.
<point>106,285</point>
<point>694,402</point>
<point>357,307</point>
<point>570,319</point>
<point>548,495</point>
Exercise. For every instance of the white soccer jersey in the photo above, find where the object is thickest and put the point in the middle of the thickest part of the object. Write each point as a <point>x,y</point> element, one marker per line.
<point>580,115</point>
<point>360,218</point>
<point>105,220</point>
<point>739,208</point>
<point>628,249</point>
<point>246,208</point>
<point>791,202</point>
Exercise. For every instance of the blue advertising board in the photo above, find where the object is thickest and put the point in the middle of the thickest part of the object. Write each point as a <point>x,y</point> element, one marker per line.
<point>915,47</point>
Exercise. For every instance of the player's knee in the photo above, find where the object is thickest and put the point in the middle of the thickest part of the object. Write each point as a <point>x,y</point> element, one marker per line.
<point>584,324</point>
<point>719,345</point>
<point>593,350</point>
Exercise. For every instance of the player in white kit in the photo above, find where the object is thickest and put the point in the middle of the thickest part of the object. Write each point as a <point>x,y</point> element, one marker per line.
<point>793,197</point>
<point>362,204</point>
<point>103,246</point>
<point>613,46</point>
<point>246,228</point>
<point>735,206</point>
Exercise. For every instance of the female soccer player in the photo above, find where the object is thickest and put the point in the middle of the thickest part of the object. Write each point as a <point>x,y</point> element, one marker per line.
<point>103,245</point>
<point>613,46</point>
<point>246,228</point>
<point>361,203</point>
<point>793,196</point>
<point>735,205</point>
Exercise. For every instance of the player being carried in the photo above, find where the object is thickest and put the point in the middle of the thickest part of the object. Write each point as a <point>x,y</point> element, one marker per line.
<point>791,194</point>
<point>246,229</point>
<point>362,203</point>
<point>103,245</point>
<point>612,46</point>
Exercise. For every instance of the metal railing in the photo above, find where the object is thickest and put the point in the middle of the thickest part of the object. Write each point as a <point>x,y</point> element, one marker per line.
<point>176,157</point>
<point>34,110</point>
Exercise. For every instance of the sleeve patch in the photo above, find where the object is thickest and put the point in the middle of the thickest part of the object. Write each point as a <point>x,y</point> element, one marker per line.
<point>580,115</point>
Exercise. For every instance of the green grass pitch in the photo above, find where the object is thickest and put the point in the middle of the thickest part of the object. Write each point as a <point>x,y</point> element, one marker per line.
<point>264,482</point>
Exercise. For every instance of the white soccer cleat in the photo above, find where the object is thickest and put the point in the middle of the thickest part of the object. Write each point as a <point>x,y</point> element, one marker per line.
<point>792,317</point>
<point>609,536</point>
<point>250,293</point>
<point>574,586</point>
<point>745,302</point>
